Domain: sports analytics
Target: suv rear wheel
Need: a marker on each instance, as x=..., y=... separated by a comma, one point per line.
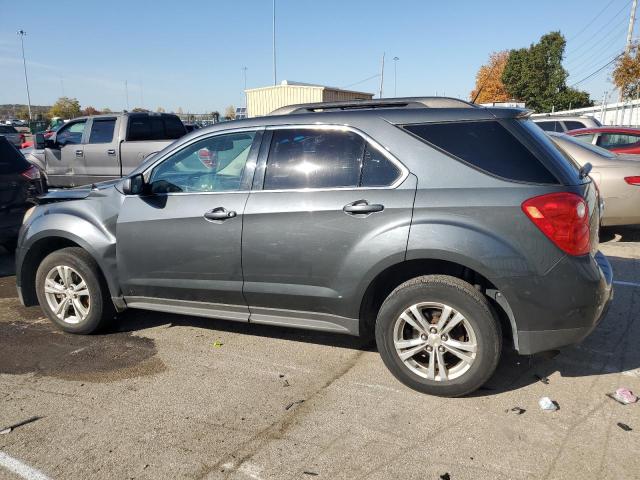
x=72, y=293
x=439, y=335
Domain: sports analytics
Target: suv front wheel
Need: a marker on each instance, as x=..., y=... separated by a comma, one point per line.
x=439, y=335
x=72, y=293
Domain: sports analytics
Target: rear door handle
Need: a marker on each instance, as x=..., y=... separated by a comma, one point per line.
x=219, y=213
x=362, y=207
x=78, y=153
x=111, y=151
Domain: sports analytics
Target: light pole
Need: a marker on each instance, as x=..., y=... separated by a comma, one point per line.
x=244, y=74
x=274, y=42
x=22, y=33
x=395, y=76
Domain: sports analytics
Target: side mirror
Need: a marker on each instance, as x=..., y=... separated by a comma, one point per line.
x=39, y=141
x=134, y=185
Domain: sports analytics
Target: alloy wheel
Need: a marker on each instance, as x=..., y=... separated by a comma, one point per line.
x=67, y=294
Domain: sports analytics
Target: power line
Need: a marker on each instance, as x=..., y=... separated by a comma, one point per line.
x=591, y=22
x=362, y=81
x=593, y=35
x=598, y=70
x=598, y=55
x=614, y=35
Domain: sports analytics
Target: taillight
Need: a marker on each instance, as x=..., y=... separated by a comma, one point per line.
x=563, y=218
x=31, y=173
x=632, y=180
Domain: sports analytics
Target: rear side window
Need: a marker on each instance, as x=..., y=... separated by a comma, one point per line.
x=613, y=140
x=573, y=125
x=102, y=131
x=7, y=129
x=549, y=126
x=488, y=146
x=151, y=127
x=585, y=137
x=310, y=158
x=377, y=170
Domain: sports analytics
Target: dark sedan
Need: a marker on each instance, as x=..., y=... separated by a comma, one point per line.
x=20, y=182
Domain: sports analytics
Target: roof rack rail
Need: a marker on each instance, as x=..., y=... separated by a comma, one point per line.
x=406, y=102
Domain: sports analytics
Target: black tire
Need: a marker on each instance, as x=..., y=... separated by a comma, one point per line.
x=101, y=310
x=464, y=298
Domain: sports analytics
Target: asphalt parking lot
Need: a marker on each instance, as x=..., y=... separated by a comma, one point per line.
x=167, y=396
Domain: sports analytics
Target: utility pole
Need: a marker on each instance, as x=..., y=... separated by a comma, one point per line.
x=382, y=75
x=244, y=73
x=141, y=95
x=126, y=92
x=632, y=21
x=22, y=33
x=274, y=43
x=395, y=76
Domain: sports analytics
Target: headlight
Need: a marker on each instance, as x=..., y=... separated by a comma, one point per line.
x=27, y=214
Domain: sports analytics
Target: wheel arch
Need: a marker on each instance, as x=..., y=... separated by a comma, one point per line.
x=392, y=276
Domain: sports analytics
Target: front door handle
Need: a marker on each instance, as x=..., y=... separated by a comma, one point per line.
x=78, y=153
x=219, y=213
x=362, y=207
x=111, y=151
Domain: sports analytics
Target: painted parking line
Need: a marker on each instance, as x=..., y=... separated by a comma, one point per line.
x=21, y=469
x=626, y=284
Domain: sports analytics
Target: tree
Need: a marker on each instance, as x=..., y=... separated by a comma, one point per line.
x=626, y=73
x=90, y=111
x=139, y=109
x=106, y=110
x=160, y=110
x=536, y=76
x=215, y=115
x=489, y=80
x=23, y=113
x=65, y=107
x=230, y=113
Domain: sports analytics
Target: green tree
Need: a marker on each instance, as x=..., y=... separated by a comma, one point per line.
x=23, y=113
x=215, y=115
x=535, y=75
x=65, y=107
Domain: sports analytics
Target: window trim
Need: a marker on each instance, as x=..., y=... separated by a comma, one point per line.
x=264, y=157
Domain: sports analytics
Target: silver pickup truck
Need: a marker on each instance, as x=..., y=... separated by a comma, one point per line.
x=102, y=147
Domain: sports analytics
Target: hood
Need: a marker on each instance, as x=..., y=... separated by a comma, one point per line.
x=77, y=193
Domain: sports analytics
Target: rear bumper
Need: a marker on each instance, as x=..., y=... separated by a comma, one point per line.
x=576, y=295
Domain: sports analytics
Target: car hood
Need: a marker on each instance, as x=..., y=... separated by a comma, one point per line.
x=77, y=193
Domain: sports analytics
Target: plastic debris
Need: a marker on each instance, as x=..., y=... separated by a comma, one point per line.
x=624, y=426
x=544, y=380
x=10, y=428
x=445, y=476
x=516, y=410
x=217, y=344
x=623, y=396
x=547, y=404
x=293, y=403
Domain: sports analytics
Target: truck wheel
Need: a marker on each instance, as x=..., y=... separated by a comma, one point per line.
x=72, y=292
x=439, y=335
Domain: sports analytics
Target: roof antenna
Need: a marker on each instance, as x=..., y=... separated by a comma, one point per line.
x=483, y=84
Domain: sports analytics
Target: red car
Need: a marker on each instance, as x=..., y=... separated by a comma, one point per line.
x=616, y=139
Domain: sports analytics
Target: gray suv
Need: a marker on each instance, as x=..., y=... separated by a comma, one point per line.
x=436, y=225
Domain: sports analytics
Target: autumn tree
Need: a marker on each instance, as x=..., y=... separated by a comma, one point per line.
x=626, y=74
x=160, y=110
x=23, y=113
x=88, y=111
x=65, y=107
x=106, y=110
x=535, y=75
x=489, y=80
x=230, y=113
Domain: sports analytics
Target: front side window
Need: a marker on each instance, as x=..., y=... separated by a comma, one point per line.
x=214, y=164
x=617, y=140
x=102, y=130
x=71, y=134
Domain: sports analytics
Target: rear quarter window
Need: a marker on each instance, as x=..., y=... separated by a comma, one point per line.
x=550, y=126
x=488, y=146
x=574, y=125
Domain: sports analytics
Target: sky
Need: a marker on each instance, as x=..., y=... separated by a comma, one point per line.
x=190, y=55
